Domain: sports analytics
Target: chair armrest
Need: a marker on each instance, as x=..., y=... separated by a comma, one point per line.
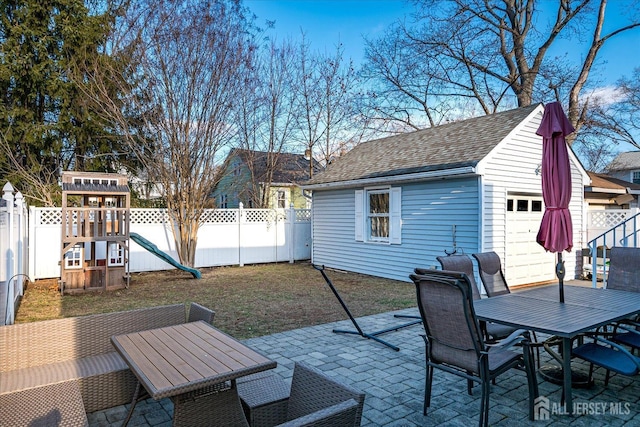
x=631, y=330
x=340, y=414
x=519, y=336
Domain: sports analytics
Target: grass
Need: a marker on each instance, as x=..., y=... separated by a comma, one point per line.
x=249, y=301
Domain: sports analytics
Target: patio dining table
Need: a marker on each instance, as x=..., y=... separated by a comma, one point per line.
x=539, y=310
x=191, y=363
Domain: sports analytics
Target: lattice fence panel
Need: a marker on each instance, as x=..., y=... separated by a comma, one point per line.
x=264, y=215
x=219, y=216
x=303, y=215
x=605, y=219
x=48, y=216
x=149, y=216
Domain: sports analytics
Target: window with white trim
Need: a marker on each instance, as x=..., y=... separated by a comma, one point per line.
x=636, y=177
x=116, y=254
x=282, y=199
x=378, y=215
x=73, y=257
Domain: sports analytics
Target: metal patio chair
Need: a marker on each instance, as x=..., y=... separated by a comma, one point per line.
x=491, y=274
x=454, y=342
x=463, y=263
x=623, y=275
x=609, y=355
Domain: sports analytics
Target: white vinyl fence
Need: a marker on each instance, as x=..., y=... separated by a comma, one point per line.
x=607, y=220
x=13, y=243
x=226, y=237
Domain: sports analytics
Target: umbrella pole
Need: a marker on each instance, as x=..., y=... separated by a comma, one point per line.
x=560, y=273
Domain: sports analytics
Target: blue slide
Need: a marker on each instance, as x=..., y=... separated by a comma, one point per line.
x=162, y=255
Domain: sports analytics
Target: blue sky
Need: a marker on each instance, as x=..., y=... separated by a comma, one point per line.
x=328, y=22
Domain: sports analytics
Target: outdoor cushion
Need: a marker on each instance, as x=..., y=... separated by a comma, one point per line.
x=21, y=379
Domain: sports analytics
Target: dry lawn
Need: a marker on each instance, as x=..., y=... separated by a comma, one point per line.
x=249, y=301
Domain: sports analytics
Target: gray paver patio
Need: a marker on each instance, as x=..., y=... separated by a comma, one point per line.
x=394, y=383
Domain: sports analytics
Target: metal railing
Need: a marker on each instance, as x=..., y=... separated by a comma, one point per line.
x=625, y=234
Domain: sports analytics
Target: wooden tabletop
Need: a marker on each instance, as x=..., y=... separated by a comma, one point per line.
x=539, y=309
x=182, y=358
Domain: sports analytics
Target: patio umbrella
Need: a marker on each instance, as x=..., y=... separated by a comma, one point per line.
x=556, y=229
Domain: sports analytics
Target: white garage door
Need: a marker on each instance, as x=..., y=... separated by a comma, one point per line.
x=526, y=261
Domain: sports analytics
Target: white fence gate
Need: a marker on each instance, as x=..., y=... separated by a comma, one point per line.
x=226, y=237
x=13, y=243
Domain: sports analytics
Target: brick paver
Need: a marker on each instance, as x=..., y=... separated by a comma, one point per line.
x=394, y=383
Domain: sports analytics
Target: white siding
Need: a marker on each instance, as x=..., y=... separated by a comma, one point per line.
x=513, y=168
x=430, y=210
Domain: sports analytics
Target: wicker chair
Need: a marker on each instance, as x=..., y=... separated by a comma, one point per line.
x=199, y=312
x=463, y=263
x=491, y=273
x=314, y=399
x=455, y=344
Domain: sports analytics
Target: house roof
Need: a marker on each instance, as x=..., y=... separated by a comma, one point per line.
x=94, y=188
x=625, y=161
x=450, y=146
x=601, y=183
x=290, y=168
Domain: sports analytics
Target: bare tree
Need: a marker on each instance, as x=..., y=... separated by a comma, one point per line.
x=265, y=118
x=40, y=187
x=616, y=117
x=189, y=60
x=327, y=98
x=494, y=54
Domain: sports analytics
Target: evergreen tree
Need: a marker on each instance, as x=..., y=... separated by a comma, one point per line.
x=46, y=124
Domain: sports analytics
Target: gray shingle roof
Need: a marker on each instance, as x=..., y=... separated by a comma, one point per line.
x=625, y=161
x=448, y=146
x=290, y=168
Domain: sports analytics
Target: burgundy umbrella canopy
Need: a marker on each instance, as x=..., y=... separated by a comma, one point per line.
x=556, y=229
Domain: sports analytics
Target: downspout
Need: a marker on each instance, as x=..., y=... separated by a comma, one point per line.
x=481, y=236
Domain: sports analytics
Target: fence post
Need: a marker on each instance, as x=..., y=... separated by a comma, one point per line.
x=240, y=218
x=7, y=196
x=290, y=233
x=31, y=236
x=20, y=221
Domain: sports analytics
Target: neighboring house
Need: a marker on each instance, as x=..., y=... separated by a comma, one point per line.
x=626, y=166
x=607, y=192
x=245, y=177
x=150, y=192
x=397, y=203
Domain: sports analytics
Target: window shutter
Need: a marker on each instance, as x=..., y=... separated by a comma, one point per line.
x=359, y=209
x=395, y=216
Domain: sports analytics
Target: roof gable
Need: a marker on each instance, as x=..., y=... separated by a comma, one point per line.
x=453, y=145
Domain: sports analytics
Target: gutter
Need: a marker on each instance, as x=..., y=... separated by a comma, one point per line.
x=394, y=179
